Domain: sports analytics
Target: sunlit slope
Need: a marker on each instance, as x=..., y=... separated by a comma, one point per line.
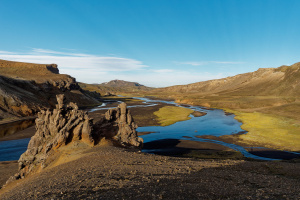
x=265, y=81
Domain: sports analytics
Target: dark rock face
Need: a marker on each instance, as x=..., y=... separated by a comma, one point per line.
x=66, y=124
x=53, y=68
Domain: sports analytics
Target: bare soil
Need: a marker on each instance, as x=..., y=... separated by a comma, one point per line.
x=107, y=172
x=7, y=169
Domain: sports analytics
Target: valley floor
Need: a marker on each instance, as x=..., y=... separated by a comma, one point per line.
x=108, y=172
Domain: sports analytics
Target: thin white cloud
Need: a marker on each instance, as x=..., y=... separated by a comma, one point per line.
x=98, y=69
x=6, y=52
x=67, y=61
x=163, y=70
x=207, y=63
x=51, y=52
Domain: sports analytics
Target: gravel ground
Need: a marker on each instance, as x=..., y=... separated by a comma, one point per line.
x=107, y=172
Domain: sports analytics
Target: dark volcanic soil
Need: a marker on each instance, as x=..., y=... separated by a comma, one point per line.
x=107, y=172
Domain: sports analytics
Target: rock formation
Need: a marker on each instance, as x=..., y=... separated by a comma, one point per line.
x=66, y=124
x=119, y=125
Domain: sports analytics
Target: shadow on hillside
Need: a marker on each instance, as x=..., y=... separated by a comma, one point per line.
x=172, y=147
x=169, y=147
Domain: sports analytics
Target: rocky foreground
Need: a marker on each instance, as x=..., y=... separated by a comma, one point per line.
x=107, y=172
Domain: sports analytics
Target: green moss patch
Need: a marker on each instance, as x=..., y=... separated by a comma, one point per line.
x=170, y=114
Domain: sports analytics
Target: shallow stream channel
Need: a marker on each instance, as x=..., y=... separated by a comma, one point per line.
x=215, y=123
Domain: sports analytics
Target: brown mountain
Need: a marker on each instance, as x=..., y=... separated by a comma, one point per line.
x=282, y=81
x=116, y=87
x=121, y=83
x=25, y=88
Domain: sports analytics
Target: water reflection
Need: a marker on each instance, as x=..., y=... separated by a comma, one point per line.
x=11, y=128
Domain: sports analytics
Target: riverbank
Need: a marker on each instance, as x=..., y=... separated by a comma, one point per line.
x=8, y=121
x=26, y=133
x=108, y=172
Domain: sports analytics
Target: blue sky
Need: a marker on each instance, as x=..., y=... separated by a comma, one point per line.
x=155, y=42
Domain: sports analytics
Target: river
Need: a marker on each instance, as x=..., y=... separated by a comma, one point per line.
x=214, y=123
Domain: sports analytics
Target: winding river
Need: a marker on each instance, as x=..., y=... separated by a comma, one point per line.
x=214, y=123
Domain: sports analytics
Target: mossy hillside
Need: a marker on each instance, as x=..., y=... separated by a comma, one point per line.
x=171, y=114
x=269, y=130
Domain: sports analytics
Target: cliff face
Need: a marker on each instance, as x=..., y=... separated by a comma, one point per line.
x=26, y=88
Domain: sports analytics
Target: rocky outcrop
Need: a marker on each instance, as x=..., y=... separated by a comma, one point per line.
x=119, y=125
x=53, y=129
x=68, y=83
x=66, y=124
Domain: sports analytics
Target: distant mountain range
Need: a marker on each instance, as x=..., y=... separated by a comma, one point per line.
x=121, y=83
x=116, y=87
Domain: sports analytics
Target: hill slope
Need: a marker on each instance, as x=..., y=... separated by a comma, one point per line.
x=264, y=88
x=282, y=81
x=26, y=88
